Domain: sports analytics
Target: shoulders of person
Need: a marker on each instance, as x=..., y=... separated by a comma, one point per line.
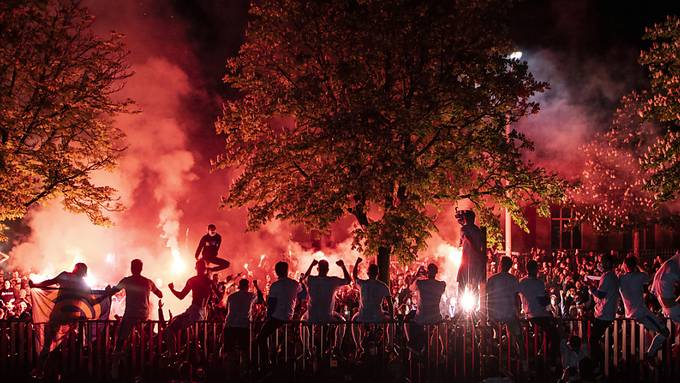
x=63, y=276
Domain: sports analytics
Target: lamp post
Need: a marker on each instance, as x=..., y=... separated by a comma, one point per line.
x=508, y=220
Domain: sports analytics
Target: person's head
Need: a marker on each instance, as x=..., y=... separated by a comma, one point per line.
x=136, y=266
x=15, y=274
x=532, y=268
x=22, y=293
x=322, y=266
x=201, y=268
x=506, y=263
x=465, y=217
x=212, y=229
x=631, y=263
x=80, y=269
x=281, y=269
x=432, y=270
x=243, y=284
x=7, y=284
x=607, y=262
x=216, y=277
x=373, y=271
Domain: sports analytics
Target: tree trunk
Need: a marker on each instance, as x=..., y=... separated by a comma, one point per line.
x=384, y=264
x=636, y=242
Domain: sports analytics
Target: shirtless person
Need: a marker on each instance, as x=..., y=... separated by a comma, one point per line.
x=208, y=248
x=137, y=292
x=200, y=286
x=665, y=286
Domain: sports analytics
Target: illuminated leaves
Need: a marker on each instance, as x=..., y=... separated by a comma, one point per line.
x=57, y=95
x=382, y=110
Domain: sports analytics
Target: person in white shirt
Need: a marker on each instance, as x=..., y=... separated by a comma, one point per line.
x=430, y=292
x=665, y=285
x=534, y=304
x=632, y=285
x=237, y=326
x=606, y=297
x=321, y=304
x=283, y=294
x=372, y=295
x=502, y=291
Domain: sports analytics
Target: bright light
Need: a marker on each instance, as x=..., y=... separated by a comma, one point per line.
x=90, y=280
x=468, y=301
x=178, y=266
x=455, y=255
x=110, y=258
x=515, y=55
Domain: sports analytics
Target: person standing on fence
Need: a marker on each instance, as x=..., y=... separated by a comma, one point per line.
x=283, y=294
x=322, y=289
x=665, y=284
x=430, y=291
x=237, y=326
x=372, y=294
x=72, y=289
x=502, y=291
x=208, y=248
x=534, y=302
x=137, y=291
x=606, y=297
x=472, y=271
x=200, y=287
x=632, y=285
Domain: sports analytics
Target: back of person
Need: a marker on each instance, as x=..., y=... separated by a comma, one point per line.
x=666, y=279
x=631, y=286
x=137, y=290
x=238, y=308
x=534, y=299
x=502, y=289
x=285, y=291
x=72, y=288
x=372, y=294
x=605, y=308
x=201, y=290
x=430, y=291
x=322, y=297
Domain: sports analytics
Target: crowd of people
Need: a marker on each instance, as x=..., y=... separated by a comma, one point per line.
x=543, y=288
x=15, y=297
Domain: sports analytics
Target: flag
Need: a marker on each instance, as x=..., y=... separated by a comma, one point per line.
x=59, y=307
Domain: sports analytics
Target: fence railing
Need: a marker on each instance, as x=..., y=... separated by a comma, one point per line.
x=464, y=350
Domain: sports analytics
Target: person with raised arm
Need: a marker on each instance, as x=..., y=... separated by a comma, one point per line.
x=373, y=293
x=322, y=290
x=72, y=288
x=606, y=296
x=137, y=292
x=200, y=287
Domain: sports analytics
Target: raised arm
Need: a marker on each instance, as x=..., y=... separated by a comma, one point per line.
x=45, y=283
x=345, y=273
x=179, y=294
x=260, y=296
x=355, y=271
x=309, y=269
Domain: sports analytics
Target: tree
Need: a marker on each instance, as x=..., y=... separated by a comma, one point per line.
x=382, y=110
x=662, y=106
x=611, y=195
x=57, y=94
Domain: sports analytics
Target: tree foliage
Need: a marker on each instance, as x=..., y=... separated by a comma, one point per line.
x=57, y=95
x=382, y=110
x=662, y=106
x=611, y=195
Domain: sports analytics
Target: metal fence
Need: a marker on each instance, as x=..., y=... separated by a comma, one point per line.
x=454, y=351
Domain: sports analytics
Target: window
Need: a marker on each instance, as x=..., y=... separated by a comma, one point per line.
x=564, y=233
